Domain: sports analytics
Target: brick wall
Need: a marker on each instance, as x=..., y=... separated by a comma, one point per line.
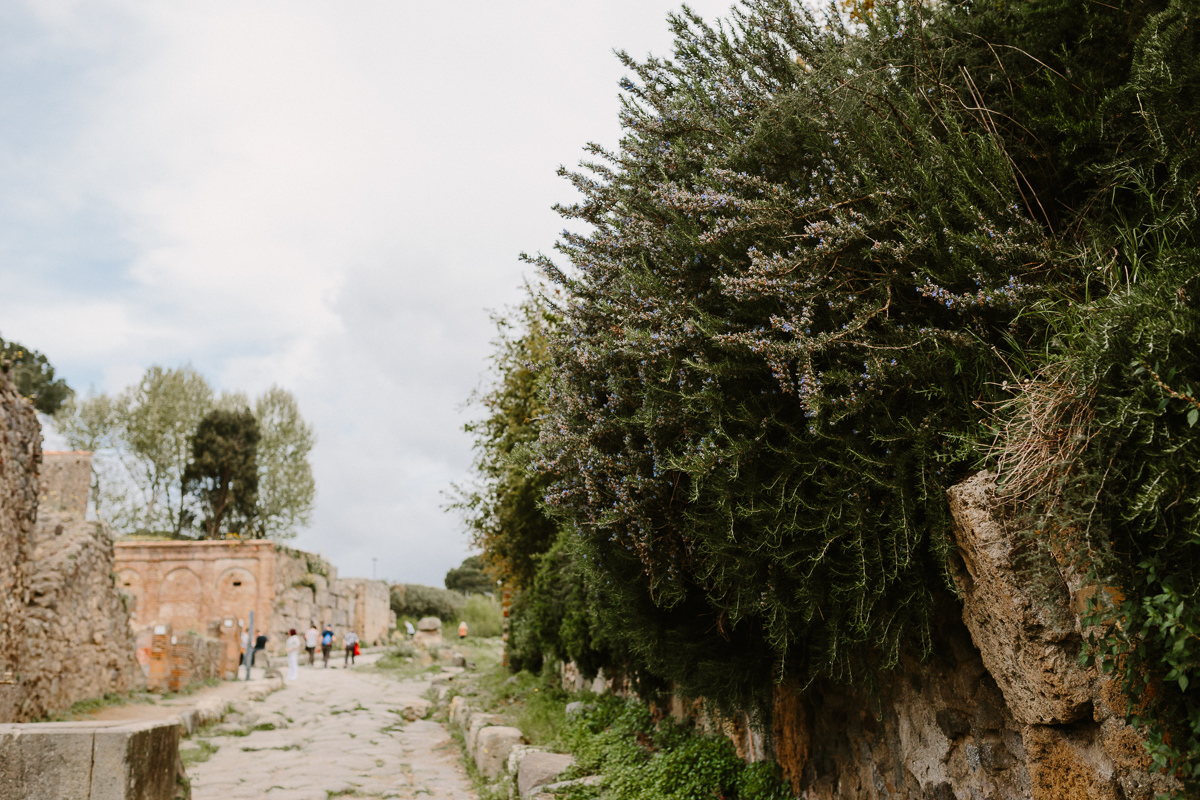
x=178, y=660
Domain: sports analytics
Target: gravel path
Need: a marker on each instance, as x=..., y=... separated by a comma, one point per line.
x=331, y=733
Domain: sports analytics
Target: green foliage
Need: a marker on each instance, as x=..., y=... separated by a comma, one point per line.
x=142, y=437
x=1120, y=489
x=156, y=420
x=222, y=475
x=286, y=488
x=502, y=508
x=639, y=761
x=813, y=266
x=469, y=578
x=556, y=617
x=33, y=376
x=483, y=615
x=809, y=259
x=415, y=600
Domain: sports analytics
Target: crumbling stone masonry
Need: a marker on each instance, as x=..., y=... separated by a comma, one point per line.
x=205, y=587
x=64, y=627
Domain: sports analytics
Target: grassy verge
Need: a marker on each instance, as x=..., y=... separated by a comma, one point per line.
x=618, y=740
x=85, y=708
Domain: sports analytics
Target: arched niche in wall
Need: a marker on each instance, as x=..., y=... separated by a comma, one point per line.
x=130, y=582
x=179, y=599
x=236, y=593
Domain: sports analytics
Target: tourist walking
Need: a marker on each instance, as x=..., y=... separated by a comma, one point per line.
x=462, y=629
x=260, y=646
x=293, y=655
x=326, y=645
x=350, y=639
x=311, y=639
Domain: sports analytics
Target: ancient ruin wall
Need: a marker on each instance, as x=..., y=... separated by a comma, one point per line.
x=76, y=621
x=64, y=628
x=308, y=590
x=192, y=586
x=20, y=452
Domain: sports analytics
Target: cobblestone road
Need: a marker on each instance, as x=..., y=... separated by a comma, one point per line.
x=331, y=733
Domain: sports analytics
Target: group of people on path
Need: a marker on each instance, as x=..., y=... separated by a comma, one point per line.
x=312, y=639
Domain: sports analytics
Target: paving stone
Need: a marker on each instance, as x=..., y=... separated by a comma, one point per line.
x=365, y=749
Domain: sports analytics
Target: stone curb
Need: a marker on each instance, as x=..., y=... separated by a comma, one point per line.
x=213, y=709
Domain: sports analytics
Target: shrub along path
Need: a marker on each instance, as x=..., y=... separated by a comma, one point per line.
x=331, y=733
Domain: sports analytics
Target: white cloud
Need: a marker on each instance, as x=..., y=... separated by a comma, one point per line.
x=324, y=196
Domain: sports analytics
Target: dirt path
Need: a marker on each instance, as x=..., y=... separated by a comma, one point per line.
x=332, y=733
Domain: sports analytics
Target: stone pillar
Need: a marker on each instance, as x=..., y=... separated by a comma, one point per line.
x=230, y=636
x=160, y=639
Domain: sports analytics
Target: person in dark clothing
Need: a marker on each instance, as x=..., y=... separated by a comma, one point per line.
x=260, y=646
x=326, y=645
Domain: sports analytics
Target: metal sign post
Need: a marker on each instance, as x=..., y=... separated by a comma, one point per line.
x=249, y=655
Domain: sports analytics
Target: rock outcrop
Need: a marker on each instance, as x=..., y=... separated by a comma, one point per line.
x=1002, y=708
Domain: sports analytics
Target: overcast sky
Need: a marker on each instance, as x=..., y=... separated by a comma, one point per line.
x=325, y=196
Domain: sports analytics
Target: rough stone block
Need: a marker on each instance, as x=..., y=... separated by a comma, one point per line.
x=89, y=760
x=460, y=709
x=476, y=722
x=538, y=769
x=1028, y=644
x=492, y=747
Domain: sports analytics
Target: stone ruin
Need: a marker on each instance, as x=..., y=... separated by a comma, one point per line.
x=82, y=616
x=209, y=588
x=64, y=626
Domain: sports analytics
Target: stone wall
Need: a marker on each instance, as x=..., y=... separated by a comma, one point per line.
x=188, y=585
x=64, y=626
x=90, y=760
x=76, y=621
x=193, y=586
x=178, y=660
x=309, y=591
x=20, y=457
x=1001, y=709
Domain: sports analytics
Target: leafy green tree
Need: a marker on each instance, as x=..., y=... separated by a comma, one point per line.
x=503, y=507
x=90, y=423
x=286, y=487
x=469, y=578
x=416, y=601
x=33, y=376
x=158, y=417
x=222, y=475
x=142, y=444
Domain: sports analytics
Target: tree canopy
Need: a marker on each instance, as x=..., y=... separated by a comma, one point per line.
x=33, y=376
x=143, y=441
x=502, y=507
x=470, y=578
x=222, y=474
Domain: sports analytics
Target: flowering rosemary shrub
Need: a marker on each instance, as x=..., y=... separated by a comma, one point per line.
x=807, y=262
x=823, y=268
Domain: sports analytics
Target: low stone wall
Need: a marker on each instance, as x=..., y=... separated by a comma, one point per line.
x=89, y=760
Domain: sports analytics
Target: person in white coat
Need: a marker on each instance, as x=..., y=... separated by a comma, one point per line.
x=293, y=655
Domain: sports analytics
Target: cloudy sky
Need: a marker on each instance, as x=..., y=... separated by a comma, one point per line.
x=325, y=196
